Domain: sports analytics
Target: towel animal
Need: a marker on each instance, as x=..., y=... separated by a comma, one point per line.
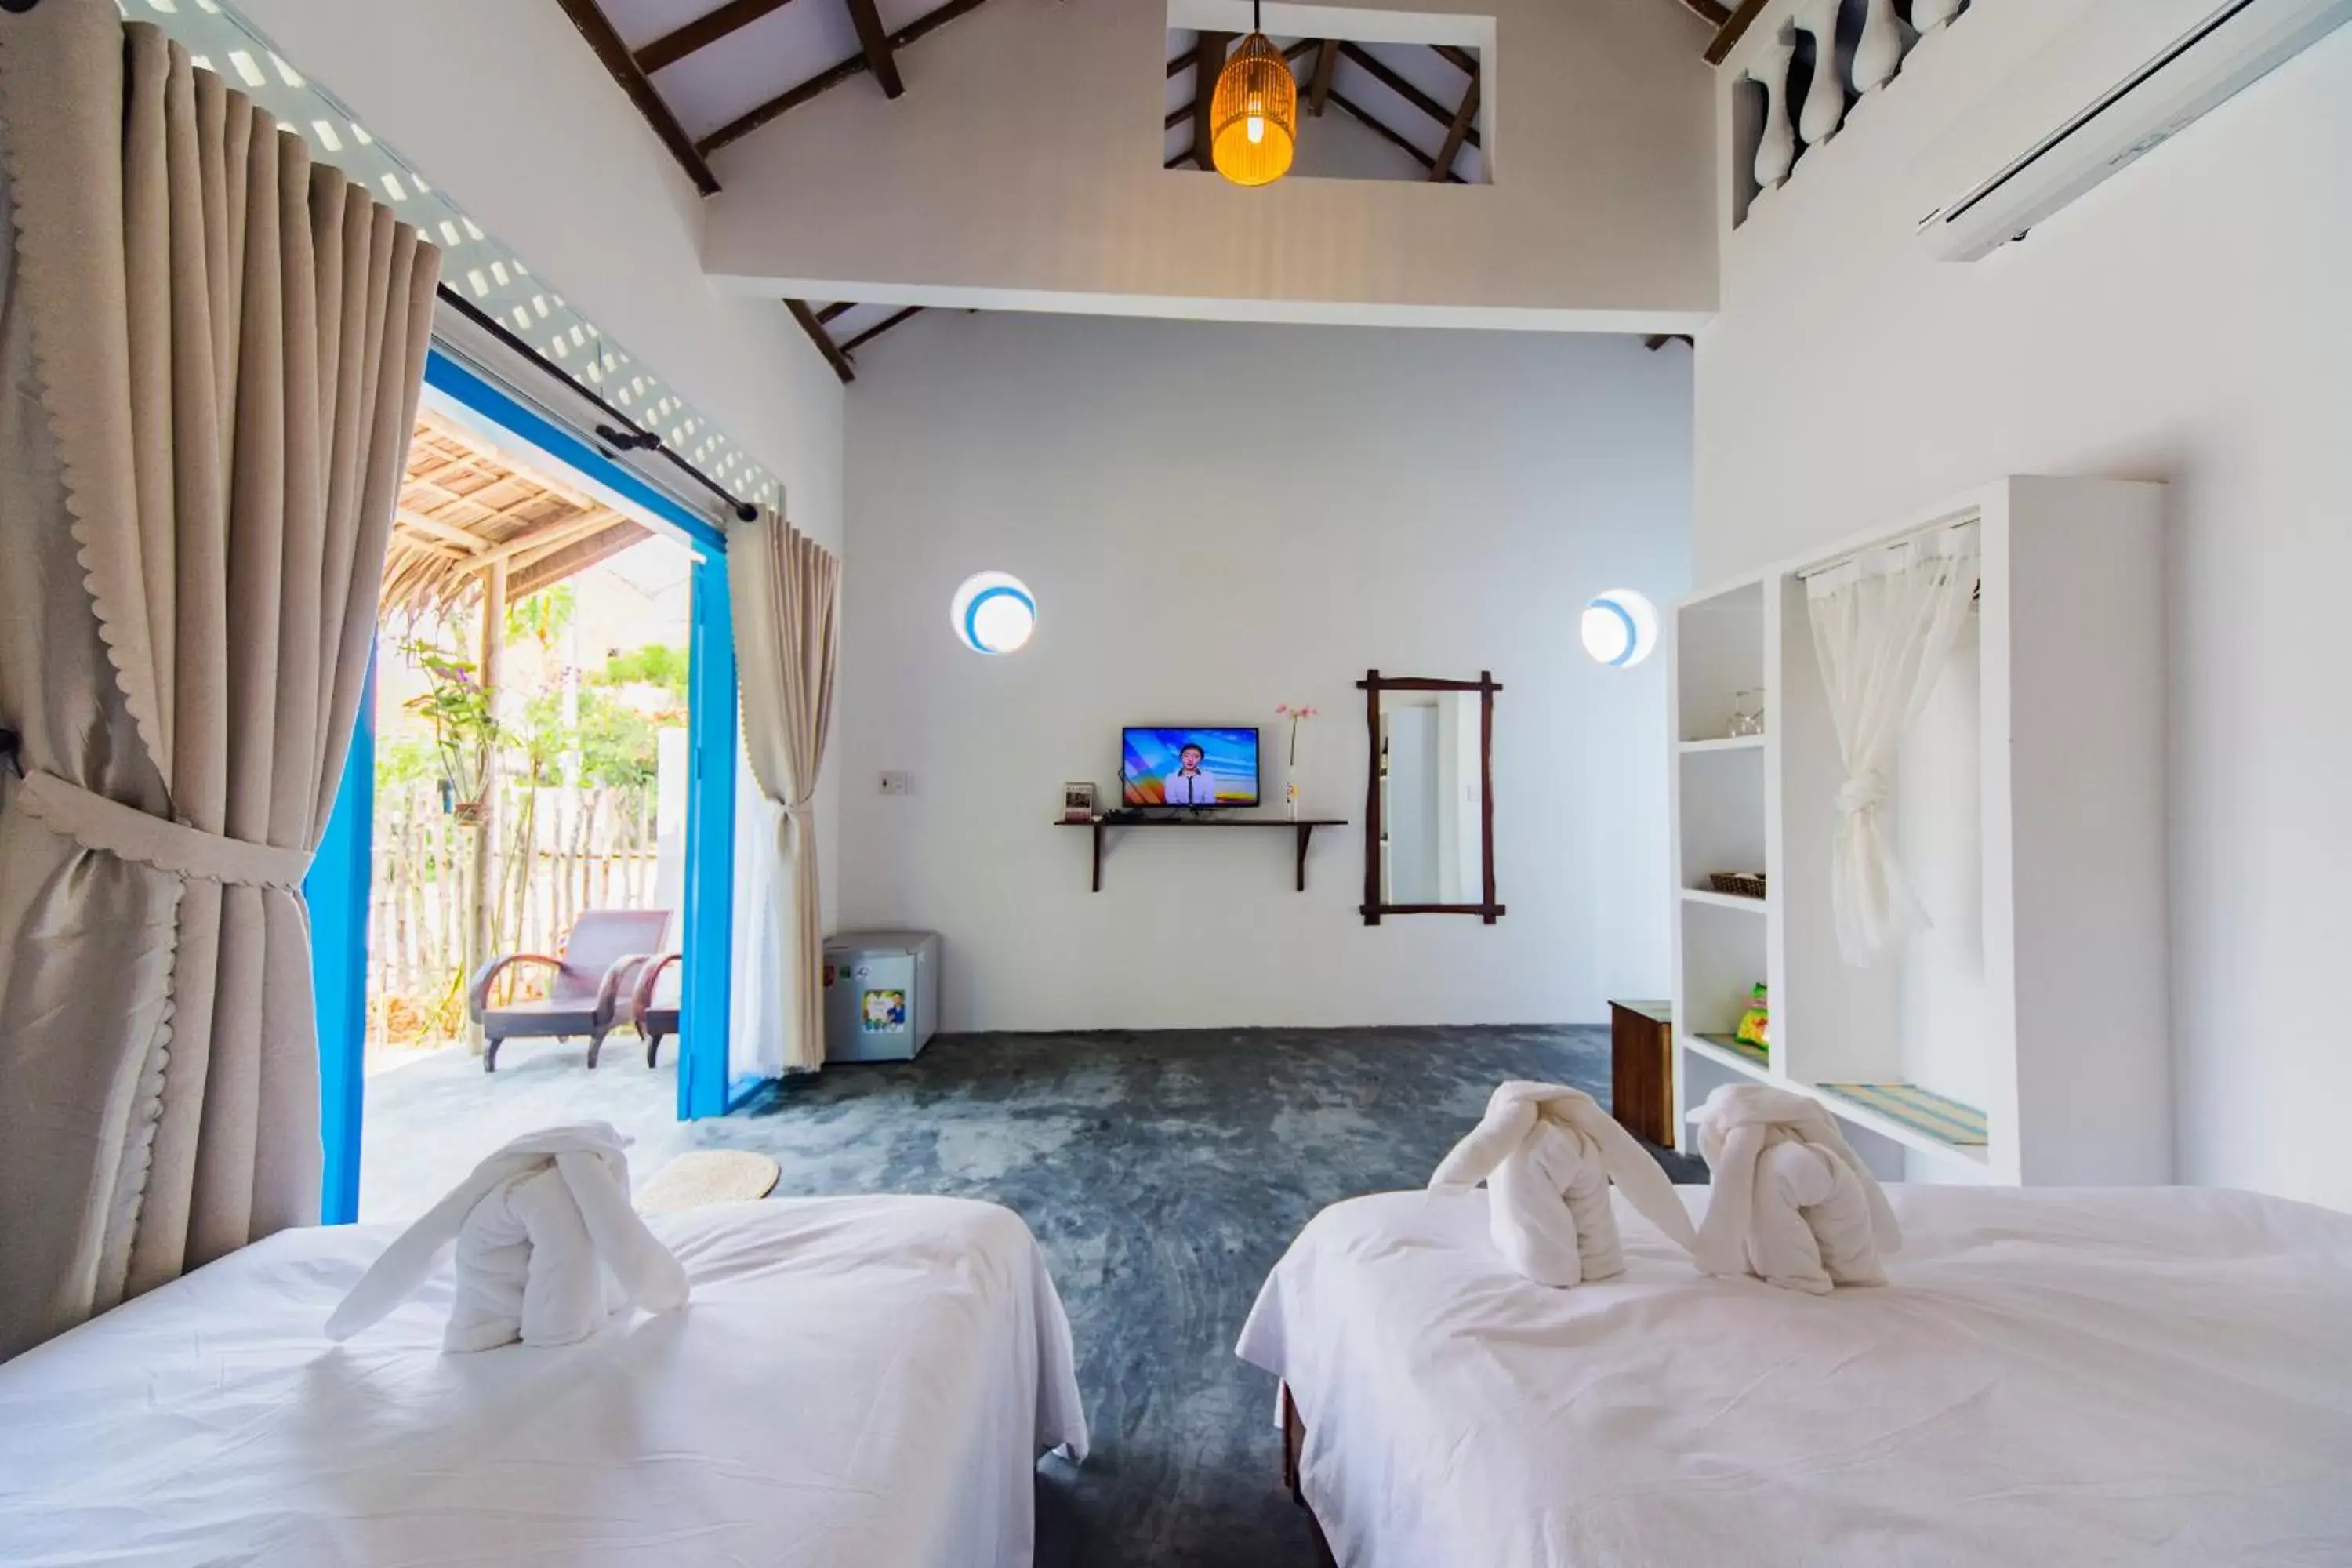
x=547, y=1248
x=1548, y=1153
x=1791, y=1203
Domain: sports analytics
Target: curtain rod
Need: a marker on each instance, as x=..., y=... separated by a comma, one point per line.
x=631, y=437
x=1959, y=519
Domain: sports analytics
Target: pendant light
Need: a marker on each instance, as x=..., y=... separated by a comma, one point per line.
x=1254, y=118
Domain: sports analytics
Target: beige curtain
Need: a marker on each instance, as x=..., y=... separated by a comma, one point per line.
x=785, y=591
x=212, y=352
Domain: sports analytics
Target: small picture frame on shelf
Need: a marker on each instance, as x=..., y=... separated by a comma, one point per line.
x=1078, y=803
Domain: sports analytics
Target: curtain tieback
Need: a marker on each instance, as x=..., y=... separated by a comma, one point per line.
x=127, y=833
x=1866, y=790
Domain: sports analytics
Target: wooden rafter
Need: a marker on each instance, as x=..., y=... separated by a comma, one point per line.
x=1457, y=57
x=875, y=330
x=1208, y=61
x=573, y=558
x=1327, y=61
x=874, y=41
x=595, y=26
x=1713, y=13
x=1657, y=341
x=822, y=339
x=1360, y=112
x=702, y=32
x=838, y=307
x=830, y=77
x=1372, y=67
x=1457, y=133
x=1732, y=31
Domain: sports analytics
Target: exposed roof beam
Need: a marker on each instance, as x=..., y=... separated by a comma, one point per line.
x=875, y=44
x=1208, y=61
x=1731, y=32
x=838, y=307
x=1453, y=55
x=823, y=340
x=575, y=558
x=598, y=30
x=1327, y=61
x=875, y=330
x=1396, y=84
x=702, y=32
x=1713, y=13
x=830, y=77
x=1657, y=341
x=1455, y=132
x=1418, y=156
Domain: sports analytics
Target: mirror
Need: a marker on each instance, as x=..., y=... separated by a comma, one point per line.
x=1429, y=812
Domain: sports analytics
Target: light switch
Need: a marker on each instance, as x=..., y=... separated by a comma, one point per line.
x=898, y=784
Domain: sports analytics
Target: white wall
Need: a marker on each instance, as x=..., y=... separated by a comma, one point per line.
x=501, y=104
x=1216, y=519
x=1022, y=166
x=2189, y=322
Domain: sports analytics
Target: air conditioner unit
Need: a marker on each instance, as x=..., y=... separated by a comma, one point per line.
x=2116, y=84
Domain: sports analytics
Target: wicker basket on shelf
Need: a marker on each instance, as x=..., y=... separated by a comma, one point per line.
x=1739, y=884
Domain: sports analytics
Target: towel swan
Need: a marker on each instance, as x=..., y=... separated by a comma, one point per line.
x=1792, y=1203
x=547, y=1246
x=1548, y=1154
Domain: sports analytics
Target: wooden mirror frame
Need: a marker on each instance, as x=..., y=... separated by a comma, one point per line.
x=1490, y=908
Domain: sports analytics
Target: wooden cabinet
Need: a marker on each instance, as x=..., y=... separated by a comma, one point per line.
x=1641, y=1068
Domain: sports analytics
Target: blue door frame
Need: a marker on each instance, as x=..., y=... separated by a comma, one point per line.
x=338, y=886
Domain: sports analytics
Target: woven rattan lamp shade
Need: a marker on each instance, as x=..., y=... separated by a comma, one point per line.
x=1255, y=89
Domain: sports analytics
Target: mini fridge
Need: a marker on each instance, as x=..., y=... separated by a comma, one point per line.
x=881, y=995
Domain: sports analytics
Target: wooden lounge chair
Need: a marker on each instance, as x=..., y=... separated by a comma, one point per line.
x=654, y=1020
x=599, y=960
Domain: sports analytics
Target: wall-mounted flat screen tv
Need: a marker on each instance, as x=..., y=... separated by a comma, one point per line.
x=1188, y=765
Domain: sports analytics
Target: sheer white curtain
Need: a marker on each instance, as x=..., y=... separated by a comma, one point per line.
x=785, y=590
x=1883, y=628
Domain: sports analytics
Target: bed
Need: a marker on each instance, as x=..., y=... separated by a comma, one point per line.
x=858, y=1383
x=2142, y=1377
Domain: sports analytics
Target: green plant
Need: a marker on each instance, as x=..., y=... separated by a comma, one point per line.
x=466, y=730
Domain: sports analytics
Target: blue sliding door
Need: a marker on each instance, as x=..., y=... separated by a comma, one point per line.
x=709, y=913
x=337, y=891
x=338, y=886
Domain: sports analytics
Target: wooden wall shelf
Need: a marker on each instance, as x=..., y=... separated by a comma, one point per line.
x=1303, y=827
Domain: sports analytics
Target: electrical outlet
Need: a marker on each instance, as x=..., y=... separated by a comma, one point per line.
x=898, y=784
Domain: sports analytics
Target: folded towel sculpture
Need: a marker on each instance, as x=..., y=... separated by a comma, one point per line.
x=1548, y=1153
x=1791, y=1204
x=546, y=1244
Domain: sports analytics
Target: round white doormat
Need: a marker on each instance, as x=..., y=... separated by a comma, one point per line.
x=708, y=1177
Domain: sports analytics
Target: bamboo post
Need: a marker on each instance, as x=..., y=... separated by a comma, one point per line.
x=484, y=924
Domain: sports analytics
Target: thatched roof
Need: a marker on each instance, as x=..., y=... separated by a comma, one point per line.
x=463, y=507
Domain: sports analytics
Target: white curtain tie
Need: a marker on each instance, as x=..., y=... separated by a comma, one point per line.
x=125, y=832
x=1866, y=790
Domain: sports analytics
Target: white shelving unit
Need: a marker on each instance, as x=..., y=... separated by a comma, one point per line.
x=2024, y=1039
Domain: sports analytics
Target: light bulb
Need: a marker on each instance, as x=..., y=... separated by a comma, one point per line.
x=1257, y=129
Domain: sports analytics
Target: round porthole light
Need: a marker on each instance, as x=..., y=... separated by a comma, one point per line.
x=993, y=612
x=1620, y=628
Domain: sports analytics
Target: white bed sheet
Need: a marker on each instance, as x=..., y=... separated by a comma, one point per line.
x=858, y=1383
x=2147, y=1377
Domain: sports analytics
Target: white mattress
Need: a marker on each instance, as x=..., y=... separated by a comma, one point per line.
x=2149, y=1376
x=858, y=1383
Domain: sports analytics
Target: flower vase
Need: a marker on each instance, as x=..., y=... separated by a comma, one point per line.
x=1290, y=800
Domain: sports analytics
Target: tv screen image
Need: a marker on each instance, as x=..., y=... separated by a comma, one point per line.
x=1194, y=764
